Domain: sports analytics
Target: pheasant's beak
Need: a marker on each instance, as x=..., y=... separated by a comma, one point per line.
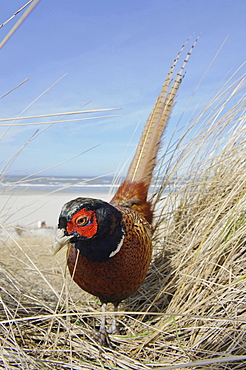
x=61, y=240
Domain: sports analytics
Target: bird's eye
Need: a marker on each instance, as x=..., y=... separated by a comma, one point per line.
x=82, y=221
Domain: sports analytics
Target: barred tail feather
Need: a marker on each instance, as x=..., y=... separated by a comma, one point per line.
x=141, y=169
x=143, y=163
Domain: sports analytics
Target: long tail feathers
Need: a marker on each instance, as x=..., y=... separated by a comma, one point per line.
x=134, y=189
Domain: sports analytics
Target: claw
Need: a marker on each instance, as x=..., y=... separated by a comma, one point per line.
x=61, y=240
x=103, y=339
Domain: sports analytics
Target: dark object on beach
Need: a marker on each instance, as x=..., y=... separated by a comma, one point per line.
x=110, y=244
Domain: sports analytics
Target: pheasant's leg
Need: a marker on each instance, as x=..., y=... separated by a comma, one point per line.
x=103, y=319
x=103, y=335
x=113, y=329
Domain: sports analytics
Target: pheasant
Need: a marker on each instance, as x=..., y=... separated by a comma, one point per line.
x=110, y=244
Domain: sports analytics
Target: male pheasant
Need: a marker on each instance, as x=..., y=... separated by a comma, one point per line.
x=110, y=244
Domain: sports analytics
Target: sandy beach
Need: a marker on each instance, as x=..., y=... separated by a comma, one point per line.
x=27, y=209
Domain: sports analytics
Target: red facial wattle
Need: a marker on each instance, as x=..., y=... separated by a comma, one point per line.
x=84, y=223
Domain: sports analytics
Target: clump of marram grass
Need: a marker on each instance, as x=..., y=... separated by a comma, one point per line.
x=190, y=312
x=203, y=228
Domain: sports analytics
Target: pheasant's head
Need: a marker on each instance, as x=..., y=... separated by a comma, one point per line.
x=93, y=226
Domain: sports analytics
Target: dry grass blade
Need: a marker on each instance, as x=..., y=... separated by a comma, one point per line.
x=58, y=114
x=33, y=102
x=15, y=13
x=32, y=5
x=14, y=88
x=60, y=121
x=11, y=160
x=213, y=362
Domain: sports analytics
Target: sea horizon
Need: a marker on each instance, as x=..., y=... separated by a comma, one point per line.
x=68, y=184
x=61, y=183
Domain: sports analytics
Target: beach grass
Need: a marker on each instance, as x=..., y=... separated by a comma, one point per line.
x=191, y=310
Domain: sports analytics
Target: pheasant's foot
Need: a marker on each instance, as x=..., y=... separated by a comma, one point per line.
x=103, y=339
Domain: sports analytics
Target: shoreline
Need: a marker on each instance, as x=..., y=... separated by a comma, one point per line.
x=29, y=208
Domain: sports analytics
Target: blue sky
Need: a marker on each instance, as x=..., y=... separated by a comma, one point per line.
x=114, y=54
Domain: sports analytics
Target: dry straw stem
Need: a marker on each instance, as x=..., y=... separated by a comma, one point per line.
x=15, y=13
x=32, y=103
x=14, y=88
x=61, y=121
x=32, y=5
x=190, y=312
x=58, y=114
